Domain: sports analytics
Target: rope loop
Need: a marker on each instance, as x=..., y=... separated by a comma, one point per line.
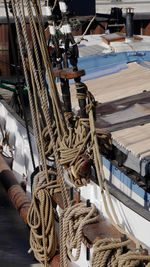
x=47, y=142
x=72, y=221
x=40, y=178
x=133, y=259
x=106, y=252
x=43, y=238
x=114, y=253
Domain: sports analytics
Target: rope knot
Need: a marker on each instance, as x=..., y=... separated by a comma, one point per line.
x=72, y=221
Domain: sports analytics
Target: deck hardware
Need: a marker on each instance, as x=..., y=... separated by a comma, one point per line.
x=71, y=193
x=77, y=196
x=88, y=203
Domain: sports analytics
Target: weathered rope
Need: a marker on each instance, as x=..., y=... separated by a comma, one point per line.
x=54, y=97
x=106, y=251
x=72, y=221
x=37, y=82
x=132, y=259
x=103, y=184
x=110, y=252
x=70, y=146
x=39, y=179
x=82, y=37
x=21, y=47
x=43, y=239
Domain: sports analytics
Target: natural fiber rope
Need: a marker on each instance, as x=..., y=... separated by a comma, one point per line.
x=106, y=252
x=43, y=239
x=25, y=71
x=53, y=88
x=103, y=184
x=44, y=102
x=110, y=252
x=47, y=63
x=72, y=221
x=34, y=79
x=132, y=259
x=82, y=37
x=67, y=141
x=39, y=179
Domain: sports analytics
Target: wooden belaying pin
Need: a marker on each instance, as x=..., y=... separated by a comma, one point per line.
x=57, y=180
x=88, y=204
x=77, y=196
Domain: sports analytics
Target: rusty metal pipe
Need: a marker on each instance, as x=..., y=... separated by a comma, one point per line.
x=15, y=192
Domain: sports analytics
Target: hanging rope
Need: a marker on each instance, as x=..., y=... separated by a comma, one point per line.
x=39, y=178
x=43, y=239
x=67, y=146
x=82, y=37
x=103, y=184
x=72, y=221
x=110, y=252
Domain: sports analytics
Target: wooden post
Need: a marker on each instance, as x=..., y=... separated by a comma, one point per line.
x=15, y=192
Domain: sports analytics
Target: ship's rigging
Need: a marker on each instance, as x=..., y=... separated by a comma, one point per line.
x=72, y=141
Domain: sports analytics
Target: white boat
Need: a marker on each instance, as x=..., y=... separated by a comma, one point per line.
x=117, y=74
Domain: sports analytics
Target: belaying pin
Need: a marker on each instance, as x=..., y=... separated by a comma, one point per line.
x=77, y=196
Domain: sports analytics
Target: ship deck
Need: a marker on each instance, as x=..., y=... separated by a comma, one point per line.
x=124, y=110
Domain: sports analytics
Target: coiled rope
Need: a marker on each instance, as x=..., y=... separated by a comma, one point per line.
x=72, y=221
x=77, y=142
x=43, y=239
x=110, y=252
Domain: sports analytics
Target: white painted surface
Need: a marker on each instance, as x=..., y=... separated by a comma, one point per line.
x=19, y=141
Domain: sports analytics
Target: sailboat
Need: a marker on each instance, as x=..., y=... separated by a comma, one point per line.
x=91, y=148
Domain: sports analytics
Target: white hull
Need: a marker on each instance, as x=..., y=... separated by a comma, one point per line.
x=123, y=186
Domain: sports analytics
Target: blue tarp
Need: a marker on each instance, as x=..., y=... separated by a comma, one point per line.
x=105, y=64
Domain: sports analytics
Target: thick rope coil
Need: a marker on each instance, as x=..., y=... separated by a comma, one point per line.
x=43, y=239
x=106, y=252
x=132, y=259
x=37, y=83
x=73, y=144
x=110, y=252
x=72, y=221
x=39, y=179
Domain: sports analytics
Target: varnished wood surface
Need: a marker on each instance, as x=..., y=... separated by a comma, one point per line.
x=68, y=73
